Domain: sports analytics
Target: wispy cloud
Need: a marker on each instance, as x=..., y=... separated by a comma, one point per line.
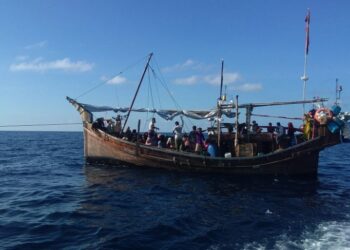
x=21, y=58
x=189, y=64
x=191, y=80
x=248, y=87
x=116, y=80
x=38, y=65
x=38, y=45
x=229, y=79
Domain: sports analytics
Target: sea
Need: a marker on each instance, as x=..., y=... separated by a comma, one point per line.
x=50, y=199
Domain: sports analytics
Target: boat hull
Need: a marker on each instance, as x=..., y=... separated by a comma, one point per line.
x=300, y=160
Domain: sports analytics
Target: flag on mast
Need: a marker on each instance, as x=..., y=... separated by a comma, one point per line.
x=307, y=29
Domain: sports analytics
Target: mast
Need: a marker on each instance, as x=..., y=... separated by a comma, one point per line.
x=236, y=135
x=305, y=78
x=137, y=90
x=220, y=100
x=222, y=77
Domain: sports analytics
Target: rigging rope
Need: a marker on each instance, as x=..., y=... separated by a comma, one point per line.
x=104, y=82
x=43, y=124
x=282, y=117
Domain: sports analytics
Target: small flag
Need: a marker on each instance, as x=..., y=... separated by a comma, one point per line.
x=307, y=30
x=340, y=88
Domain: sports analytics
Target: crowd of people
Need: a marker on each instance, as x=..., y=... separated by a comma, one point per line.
x=194, y=141
x=278, y=132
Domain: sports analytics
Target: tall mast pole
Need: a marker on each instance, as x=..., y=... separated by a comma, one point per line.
x=236, y=135
x=219, y=104
x=305, y=78
x=137, y=90
x=222, y=77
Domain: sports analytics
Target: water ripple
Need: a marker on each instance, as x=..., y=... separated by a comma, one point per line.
x=50, y=200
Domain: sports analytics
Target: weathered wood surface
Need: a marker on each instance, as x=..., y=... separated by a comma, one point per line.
x=301, y=159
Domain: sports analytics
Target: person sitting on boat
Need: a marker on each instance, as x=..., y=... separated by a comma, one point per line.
x=255, y=127
x=169, y=142
x=148, y=142
x=199, y=141
x=186, y=143
x=290, y=133
x=242, y=128
x=134, y=135
x=279, y=133
x=128, y=134
x=110, y=126
x=99, y=124
x=212, y=148
x=178, y=134
x=161, y=141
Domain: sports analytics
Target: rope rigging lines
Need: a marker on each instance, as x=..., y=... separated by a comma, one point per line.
x=104, y=82
x=40, y=124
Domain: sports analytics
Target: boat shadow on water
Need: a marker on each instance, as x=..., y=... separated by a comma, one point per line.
x=125, y=177
x=197, y=208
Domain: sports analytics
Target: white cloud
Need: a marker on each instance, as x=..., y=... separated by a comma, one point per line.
x=39, y=65
x=38, y=45
x=188, y=64
x=188, y=80
x=116, y=80
x=229, y=78
x=248, y=87
x=21, y=58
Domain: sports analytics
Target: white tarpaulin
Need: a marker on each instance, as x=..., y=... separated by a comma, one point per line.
x=163, y=113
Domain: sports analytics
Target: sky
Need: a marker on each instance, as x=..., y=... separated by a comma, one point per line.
x=53, y=49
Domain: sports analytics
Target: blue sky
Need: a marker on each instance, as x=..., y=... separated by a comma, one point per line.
x=53, y=49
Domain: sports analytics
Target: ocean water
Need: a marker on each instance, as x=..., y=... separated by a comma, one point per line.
x=49, y=199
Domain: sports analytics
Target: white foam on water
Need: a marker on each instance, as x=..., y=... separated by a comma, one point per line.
x=327, y=235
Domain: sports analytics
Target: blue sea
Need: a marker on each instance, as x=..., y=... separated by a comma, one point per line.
x=49, y=199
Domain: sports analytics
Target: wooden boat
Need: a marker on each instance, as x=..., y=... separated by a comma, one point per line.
x=251, y=154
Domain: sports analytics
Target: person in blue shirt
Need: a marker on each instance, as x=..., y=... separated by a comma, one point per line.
x=212, y=148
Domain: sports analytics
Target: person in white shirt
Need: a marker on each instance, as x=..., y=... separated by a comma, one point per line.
x=178, y=134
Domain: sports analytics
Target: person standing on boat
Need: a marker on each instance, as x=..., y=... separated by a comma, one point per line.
x=255, y=128
x=290, y=133
x=178, y=134
x=199, y=141
x=117, y=126
x=279, y=133
x=270, y=128
x=192, y=138
x=151, y=131
x=152, y=124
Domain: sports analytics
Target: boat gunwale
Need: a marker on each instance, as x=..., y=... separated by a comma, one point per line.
x=301, y=147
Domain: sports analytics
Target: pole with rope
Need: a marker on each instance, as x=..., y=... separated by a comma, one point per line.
x=137, y=90
x=220, y=100
x=305, y=78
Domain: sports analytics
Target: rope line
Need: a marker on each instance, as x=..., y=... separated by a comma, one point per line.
x=104, y=82
x=44, y=124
